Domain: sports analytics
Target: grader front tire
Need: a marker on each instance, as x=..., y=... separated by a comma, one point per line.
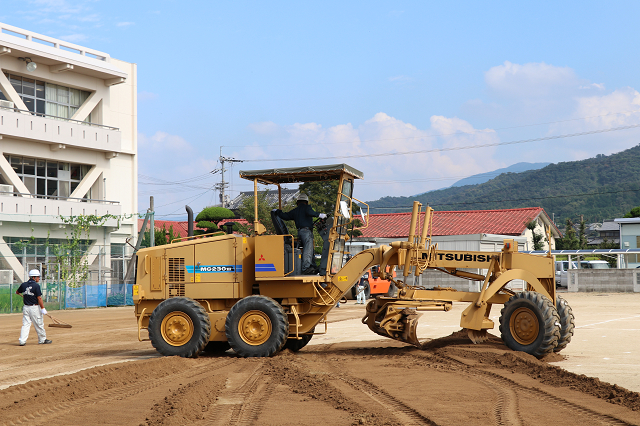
x=567, y=323
x=179, y=326
x=257, y=326
x=530, y=323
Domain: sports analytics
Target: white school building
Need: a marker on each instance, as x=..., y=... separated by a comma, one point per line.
x=68, y=147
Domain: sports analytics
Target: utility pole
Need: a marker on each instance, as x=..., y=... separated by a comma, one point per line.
x=152, y=231
x=223, y=185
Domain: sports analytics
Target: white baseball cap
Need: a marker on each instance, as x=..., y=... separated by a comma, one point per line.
x=34, y=273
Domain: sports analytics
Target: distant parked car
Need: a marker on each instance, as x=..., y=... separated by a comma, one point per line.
x=594, y=264
x=561, y=272
x=563, y=265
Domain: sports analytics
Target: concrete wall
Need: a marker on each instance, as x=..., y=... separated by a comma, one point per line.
x=604, y=281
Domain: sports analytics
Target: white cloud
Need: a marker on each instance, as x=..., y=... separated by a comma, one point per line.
x=264, y=127
x=60, y=6
x=532, y=80
x=618, y=108
x=74, y=38
x=163, y=141
x=388, y=175
x=599, y=86
x=93, y=17
x=400, y=79
x=147, y=96
x=525, y=97
x=124, y=24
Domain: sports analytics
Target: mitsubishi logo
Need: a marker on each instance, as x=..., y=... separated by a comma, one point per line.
x=262, y=258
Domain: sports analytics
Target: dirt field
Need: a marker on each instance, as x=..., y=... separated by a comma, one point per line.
x=349, y=376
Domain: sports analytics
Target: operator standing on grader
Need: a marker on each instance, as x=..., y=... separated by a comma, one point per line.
x=303, y=217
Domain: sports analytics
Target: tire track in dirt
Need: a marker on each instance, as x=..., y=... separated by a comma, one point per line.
x=318, y=384
x=506, y=411
x=510, y=389
x=539, y=394
x=404, y=413
x=240, y=404
x=396, y=408
x=106, y=396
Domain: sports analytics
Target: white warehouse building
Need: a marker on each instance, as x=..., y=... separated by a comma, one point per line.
x=68, y=147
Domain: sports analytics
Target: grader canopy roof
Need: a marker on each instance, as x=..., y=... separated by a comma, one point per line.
x=301, y=174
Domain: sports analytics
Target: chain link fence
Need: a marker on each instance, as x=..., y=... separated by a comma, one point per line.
x=100, y=283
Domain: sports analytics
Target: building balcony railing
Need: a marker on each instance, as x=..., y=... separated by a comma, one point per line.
x=18, y=207
x=71, y=120
x=55, y=130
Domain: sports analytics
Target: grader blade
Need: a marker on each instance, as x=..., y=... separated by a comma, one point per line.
x=478, y=336
x=411, y=324
x=396, y=322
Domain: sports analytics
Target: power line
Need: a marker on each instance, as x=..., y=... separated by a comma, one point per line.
x=166, y=182
x=188, y=198
x=425, y=151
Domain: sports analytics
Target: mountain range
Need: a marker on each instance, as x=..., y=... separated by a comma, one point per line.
x=603, y=187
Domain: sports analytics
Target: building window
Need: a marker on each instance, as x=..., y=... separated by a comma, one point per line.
x=47, y=98
x=48, y=178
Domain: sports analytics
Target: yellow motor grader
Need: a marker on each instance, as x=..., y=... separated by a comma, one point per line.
x=245, y=292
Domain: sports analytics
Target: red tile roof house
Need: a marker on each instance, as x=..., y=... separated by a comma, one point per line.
x=472, y=230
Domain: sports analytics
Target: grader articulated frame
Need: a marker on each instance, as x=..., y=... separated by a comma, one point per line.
x=241, y=291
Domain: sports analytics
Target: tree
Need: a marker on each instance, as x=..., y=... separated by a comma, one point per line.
x=635, y=212
x=570, y=240
x=246, y=211
x=611, y=260
x=162, y=236
x=583, y=236
x=209, y=218
x=71, y=254
x=538, y=238
x=322, y=195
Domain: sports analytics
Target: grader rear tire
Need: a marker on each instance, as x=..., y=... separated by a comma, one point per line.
x=257, y=326
x=295, y=345
x=567, y=323
x=179, y=326
x=530, y=323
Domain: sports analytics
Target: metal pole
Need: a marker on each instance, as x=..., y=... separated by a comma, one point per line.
x=222, y=199
x=255, y=205
x=11, y=297
x=99, y=266
x=60, y=288
x=152, y=228
x=131, y=264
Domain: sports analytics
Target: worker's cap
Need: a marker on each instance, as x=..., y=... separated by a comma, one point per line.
x=303, y=197
x=34, y=273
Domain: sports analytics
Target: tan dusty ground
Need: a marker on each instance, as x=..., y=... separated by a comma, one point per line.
x=348, y=376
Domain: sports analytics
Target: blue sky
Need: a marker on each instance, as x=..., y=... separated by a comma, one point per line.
x=279, y=80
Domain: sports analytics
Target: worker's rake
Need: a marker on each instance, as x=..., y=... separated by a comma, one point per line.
x=58, y=323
